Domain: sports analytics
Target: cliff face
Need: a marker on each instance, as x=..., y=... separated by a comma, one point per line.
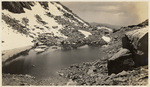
x=25, y=21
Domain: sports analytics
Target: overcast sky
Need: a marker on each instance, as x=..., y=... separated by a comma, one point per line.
x=115, y=13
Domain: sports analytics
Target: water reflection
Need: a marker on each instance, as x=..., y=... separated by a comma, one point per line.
x=45, y=64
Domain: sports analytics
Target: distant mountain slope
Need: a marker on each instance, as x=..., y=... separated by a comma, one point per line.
x=34, y=19
x=105, y=25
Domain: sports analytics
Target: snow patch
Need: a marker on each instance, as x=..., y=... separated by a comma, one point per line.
x=105, y=38
x=54, y=10
x=86, y=33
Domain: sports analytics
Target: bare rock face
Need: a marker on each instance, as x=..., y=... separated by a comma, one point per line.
x=137, y=42
x=16, y=7
x=120, y=61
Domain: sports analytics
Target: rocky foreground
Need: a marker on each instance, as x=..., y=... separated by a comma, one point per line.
x=96, y=73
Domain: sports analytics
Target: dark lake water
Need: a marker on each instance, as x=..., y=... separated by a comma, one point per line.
x=45, y=64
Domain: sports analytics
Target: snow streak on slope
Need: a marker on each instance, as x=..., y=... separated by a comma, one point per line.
x=12, y=39
x=105, y=38
x=60, y=6
x=85, y=33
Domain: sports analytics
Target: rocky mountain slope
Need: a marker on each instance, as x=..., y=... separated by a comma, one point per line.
x=24, y=22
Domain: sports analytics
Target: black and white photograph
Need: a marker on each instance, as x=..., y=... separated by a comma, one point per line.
x=74, y=43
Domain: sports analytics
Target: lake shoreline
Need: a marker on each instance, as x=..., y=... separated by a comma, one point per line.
x=51, y=49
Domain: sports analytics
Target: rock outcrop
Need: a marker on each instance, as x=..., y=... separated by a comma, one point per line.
x=137, y=42
x=134, y=52
x=120, y=61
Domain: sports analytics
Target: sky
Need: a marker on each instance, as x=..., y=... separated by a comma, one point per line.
x=114, y=13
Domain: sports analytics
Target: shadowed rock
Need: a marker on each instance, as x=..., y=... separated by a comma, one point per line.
x=16, y=7
x=120, y=61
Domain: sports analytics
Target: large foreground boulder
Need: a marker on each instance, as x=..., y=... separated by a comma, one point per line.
x=120, y=61
x=137, y=42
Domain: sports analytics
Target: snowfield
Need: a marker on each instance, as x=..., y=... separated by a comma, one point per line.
x=30, y=15
x=38, y=21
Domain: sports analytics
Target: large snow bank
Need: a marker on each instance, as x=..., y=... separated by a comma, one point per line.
x=12, y=39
